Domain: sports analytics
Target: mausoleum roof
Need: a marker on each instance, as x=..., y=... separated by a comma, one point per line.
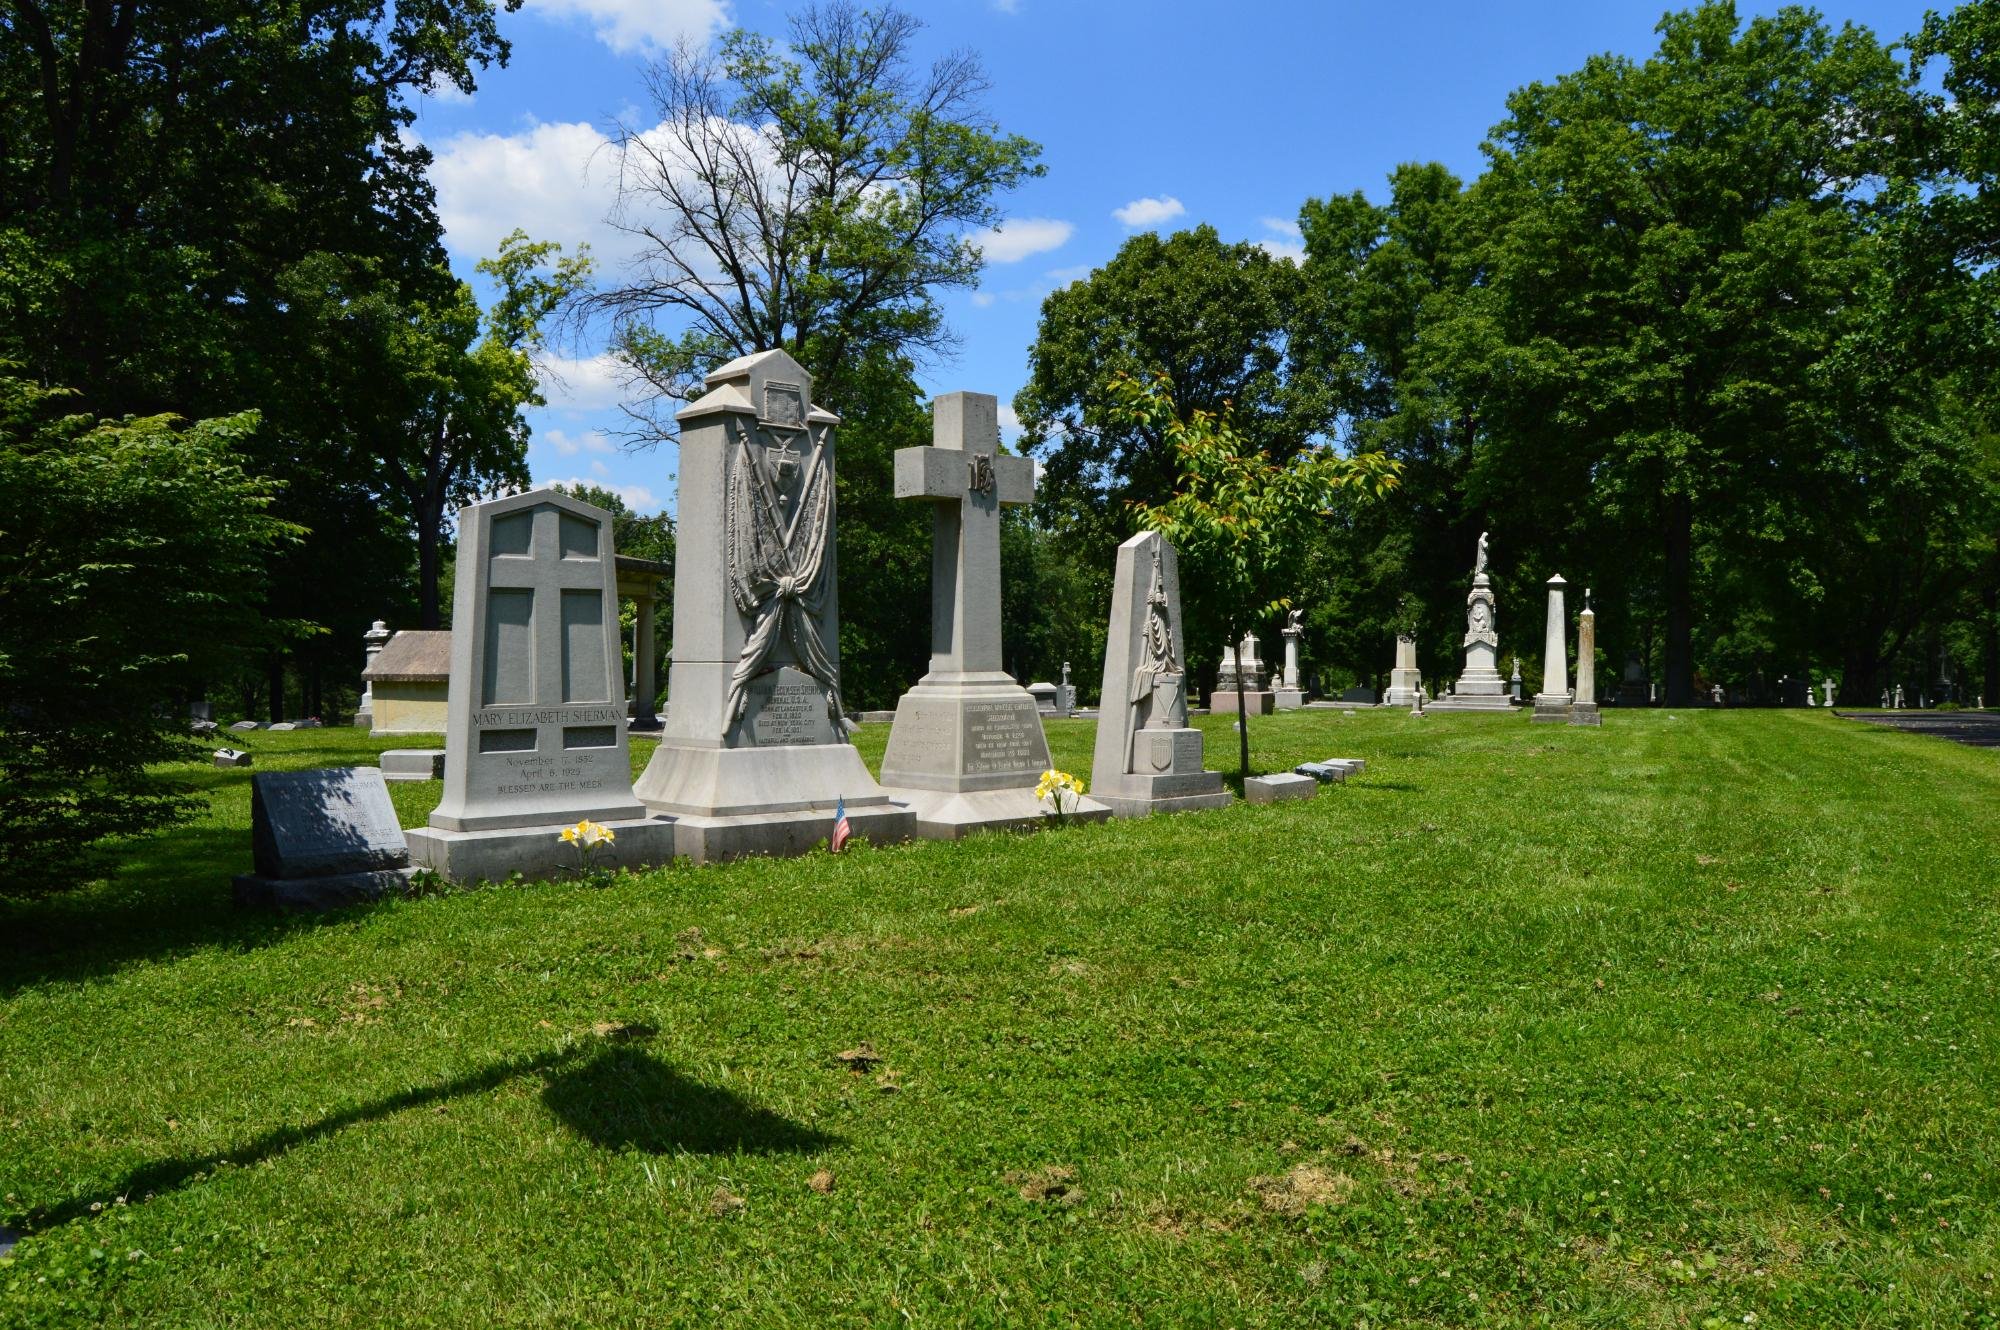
x=414, y=656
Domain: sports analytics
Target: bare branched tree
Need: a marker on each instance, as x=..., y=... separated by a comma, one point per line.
x=813, y=199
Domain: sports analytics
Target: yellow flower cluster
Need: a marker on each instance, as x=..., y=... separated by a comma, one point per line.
x=1053, y=783
x=588, y=833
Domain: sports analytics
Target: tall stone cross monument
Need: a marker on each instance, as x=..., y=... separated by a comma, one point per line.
x=967, y=746
x=535, y=722
x=754, y=756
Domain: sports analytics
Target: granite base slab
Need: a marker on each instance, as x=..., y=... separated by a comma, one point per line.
x=951, y=815
x=1551, y=711
x=1261, y=703
x=1279, y=787
x=317, y=894
x=1289, y=699
x=405, y=764
x=1493, y=702
x=1585, y=713
x=708, y=840
x=536, y=852
x=1122, y=806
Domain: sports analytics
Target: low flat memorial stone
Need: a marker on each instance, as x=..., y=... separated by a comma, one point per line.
x=284, y=725
x=409, y=764
x=1326, y=773
x=322, y=839
x=231, y=757
x=245, y=726
x=1279, y=787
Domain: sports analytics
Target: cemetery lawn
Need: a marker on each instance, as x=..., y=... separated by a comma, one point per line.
x=1680, y=1022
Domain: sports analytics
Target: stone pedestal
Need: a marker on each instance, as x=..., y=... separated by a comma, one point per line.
x=1480, y=687
x=1148, y=759
x=754, y=757
x=967, y=747
x=372, y=643
x=1552, y=702
x=1406, y=682
x=534, y=723
x=1258, y=700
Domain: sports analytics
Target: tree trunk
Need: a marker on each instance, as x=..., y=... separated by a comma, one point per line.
x=1990, y=690
x=274, y=682
x=1242, y=715
x=430, y=541
x=1680, y=601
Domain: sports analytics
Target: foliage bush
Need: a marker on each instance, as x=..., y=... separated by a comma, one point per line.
x=131, y=558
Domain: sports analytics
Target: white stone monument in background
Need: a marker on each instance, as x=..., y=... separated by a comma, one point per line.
x=1289, y=695
x=535, y=717
x=1827, y=689
x=1552, y=703
x=1148, y=758
x=372, y=642
x=1583, y=711
x=1258, y=699
x=1406, y=681
x=1480, y=687
x=967, y=746
x=754, y=756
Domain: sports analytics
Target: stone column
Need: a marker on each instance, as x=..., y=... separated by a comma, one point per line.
x=1552, y=703
x=645, y=677
x=372, y=641
x=1288, y=695
x=1584, y=710
x=1405, y=679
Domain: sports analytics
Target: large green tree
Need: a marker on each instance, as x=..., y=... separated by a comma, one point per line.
x=1672, y=249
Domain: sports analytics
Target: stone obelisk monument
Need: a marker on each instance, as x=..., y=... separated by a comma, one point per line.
x=1584, y=710
x=967, y=747
x=754, y=756
x=1552, y=703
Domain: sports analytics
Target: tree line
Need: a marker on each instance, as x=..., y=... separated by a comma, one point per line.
x=1712, y=333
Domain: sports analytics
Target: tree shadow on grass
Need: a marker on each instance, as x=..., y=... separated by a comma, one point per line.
x=627, y=1099
x=616, y=1098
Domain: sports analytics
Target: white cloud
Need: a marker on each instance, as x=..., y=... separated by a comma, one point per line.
x=1007, y=6
x=637, y=497
x=569, y=445
x=596, y=383
x=1141, y=213
x=640, y=25
x=1012, y=241
x=1074, y=273
x=1010, y=424
x=554, y=181
x=1287, y=241
x=982, y=299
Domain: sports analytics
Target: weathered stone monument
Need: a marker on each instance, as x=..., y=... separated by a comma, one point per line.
x=1514, y=685
x=1258, y=700
x=535, y=721
x=754, y=755
x=1827, y=689
x=1406, y=681
x=1583, y=711
x=1148, y=759
x=1289, y=695
x=967, y=746
x=372, y=643
x=1480, y=687
x=1048, y=698
x=1552, y=703
x=322, y=839
x=1066, y=694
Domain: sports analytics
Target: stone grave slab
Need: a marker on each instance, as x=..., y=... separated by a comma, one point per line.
x=322, y=839
x=412, y=764
x=1279, y=787
x=232, y=757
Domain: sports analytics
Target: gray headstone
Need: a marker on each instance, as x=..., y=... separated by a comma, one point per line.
x=1148, y=758
x=1047, y=697
x=284, y=725
x=320, y=823
x=1279, y=787
x=231, y=757
x=535, y=714
x=245, y=726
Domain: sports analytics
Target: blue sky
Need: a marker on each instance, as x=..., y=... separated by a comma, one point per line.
x=1152, y=114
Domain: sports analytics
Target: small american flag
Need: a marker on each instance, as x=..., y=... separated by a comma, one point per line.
x=842, y=829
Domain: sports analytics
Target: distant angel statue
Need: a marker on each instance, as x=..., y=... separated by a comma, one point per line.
x=1479, y=562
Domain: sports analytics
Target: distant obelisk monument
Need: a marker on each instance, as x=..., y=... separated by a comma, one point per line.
x=1584, y=710
x=1552, y=703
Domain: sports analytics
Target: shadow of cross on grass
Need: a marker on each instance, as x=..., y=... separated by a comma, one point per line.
x=615, y=1098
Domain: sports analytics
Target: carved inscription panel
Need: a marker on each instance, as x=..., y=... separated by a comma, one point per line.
x=1003, y=737
x=787, y=706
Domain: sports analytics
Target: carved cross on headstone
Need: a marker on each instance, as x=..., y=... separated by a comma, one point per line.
x=967, y=485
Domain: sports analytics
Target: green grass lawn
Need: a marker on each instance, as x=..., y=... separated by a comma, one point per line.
x=1682, y=1021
